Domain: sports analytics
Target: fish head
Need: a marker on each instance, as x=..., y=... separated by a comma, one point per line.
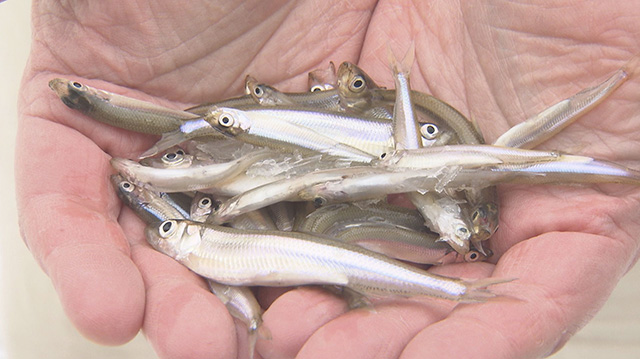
x=175, y=238
x=354, y=85
x=202, y=206
x=228, y=121
x=126, y=190
x=484, y=219
x=261, y=93
x=72, y=93
x=174, y=157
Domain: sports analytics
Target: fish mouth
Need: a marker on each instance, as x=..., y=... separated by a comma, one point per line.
x=59, y=86
x=71, y=94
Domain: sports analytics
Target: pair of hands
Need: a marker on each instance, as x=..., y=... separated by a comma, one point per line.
x=497, y=63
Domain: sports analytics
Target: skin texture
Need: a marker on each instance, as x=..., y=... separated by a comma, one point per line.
x=497, y=62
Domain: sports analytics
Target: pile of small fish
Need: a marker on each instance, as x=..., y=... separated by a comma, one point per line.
x=285, y=189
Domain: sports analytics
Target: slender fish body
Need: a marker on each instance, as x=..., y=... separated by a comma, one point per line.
x=317, y=100
x=150, y=206
x=299, y=130
x=452, y=155
x=552, y=120
x=406, y=132
x=286, y=189
x=362, y=186
x=323, y=219
x=191, y=178
x=397, y=242
x=397, y=232
x=343, y=128
x=276, y=258
x=117, y=110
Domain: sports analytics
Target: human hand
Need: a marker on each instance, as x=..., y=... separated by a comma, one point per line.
x=567, y=246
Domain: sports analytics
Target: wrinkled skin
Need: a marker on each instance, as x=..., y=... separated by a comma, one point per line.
x=497, y=62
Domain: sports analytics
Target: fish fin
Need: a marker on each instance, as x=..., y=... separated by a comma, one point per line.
x=357, y=300
x=257, y=331
x=631, y=67
x=477, y=290
x=332, y=68
x=354, y=298
x=263, y=332
x=168, y=139
x=403, y=66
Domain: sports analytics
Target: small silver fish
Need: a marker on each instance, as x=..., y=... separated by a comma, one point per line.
x=194, y=177
x=276, y=258
x=242, y=305
x=117, y=110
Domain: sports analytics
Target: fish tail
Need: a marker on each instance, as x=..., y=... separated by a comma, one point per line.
x=257, y=331
x=404, y=66
x=477, y=290
x=632, y=66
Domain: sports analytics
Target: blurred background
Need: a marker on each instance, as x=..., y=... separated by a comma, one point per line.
x=33, y=325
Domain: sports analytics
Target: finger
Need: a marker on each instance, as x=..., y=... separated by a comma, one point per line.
x=377, y=333
x=294, y=316
x=384, y=330
x=526, y=212
x=68, y=220
x=562, y=280
x=182, y=319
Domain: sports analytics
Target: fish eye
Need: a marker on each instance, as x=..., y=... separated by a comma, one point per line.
x=316, y=88
x=429, y=131
x=205, y=203
x=225, y=120
x=383, y=155
x=258, y=91
x=462, y=232
x=76, y=85
x=173, y=158
x=319, y=202
x=167, y=228
x=357, y=84
x=127, y=186
x=472, y=256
